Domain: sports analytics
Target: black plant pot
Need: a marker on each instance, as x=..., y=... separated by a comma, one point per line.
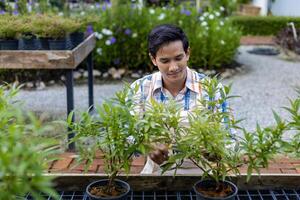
x=211, y=183
x=9, y=44
x=43, y=44
x=75, y=39
x=28, y=44
x=59, y=44
x=102, y=182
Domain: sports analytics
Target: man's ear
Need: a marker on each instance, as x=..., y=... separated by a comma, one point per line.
x=188, y=52
x=153, y=59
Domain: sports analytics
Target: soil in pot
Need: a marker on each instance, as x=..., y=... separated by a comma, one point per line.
x=104, y=191
x=99, y=190
x=210, y=190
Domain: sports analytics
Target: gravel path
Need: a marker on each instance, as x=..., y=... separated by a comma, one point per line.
x=264, y=85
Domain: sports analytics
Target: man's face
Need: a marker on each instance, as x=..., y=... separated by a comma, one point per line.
x=171, y=60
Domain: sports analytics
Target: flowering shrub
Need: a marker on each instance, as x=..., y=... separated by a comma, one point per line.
x=122, y=35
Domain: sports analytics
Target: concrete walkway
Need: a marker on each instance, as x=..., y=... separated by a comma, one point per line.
x=264, y=85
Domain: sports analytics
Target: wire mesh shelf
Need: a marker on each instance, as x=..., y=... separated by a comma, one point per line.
x=280, y=194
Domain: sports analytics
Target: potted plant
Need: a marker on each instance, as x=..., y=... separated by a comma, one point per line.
x=208, y=143
x=77, y=30
x=28, y=40
x=24, y=152
x=56, y=31
x=118, y=133
x=9, y=28
x=40, y=28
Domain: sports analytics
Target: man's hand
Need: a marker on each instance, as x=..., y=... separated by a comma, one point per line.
x=159, y=153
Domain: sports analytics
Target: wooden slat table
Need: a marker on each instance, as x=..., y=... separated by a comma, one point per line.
x=56, y=59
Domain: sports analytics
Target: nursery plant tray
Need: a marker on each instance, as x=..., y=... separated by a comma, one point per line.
x=47, y=59
x=278, y=194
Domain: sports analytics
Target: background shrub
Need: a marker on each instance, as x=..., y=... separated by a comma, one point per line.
x=269, y=25
x=122, y=36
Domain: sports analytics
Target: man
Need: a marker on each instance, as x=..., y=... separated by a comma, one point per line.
x=169, y=51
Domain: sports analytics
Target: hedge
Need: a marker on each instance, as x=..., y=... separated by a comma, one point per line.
x=258, y=25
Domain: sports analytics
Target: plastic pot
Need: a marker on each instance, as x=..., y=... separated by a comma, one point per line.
x=211, y=183
x=59, y=44
x=28, y=44
x=9, y=44
x=102, y=182
x=75, y=39
x=43, y=44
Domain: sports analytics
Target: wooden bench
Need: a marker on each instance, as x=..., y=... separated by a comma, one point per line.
x=56, y=59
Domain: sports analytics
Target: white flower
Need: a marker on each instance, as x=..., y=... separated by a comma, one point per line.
x=60, y=14
x=151, y=11
x=222, y=8
x=99, y=51
x=107, y=42
x=221, y=23
x=217, y=14
x=134, y=35
x=29, y=8
x=204, y=23
x=211, y=16
x=164, y=8
x=106, y=31
x=201, y=18
x=161, y=16
x=82, y=13
x=99, y=36
x=92, y=7
x=205, y=14
x=130, y=139
x=222, y=42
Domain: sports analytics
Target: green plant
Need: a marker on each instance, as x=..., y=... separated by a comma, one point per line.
x=24, y=152
x=213, y=47
x=117, y=132
x=26, y=26
x=229, y=6
x=243, y=1
x=9, y=27
x=293, y=147
x=271, y=24
x=40, y=25
x=51, y=26
x=210, y=145
x=22, y=6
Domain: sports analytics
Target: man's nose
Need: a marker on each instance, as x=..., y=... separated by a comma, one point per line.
x=173, y=66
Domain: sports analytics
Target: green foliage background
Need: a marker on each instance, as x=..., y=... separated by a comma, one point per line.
x=269, y=25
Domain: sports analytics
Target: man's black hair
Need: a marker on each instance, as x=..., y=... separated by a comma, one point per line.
x=164, y=34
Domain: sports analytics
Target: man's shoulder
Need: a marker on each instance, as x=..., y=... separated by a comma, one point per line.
x=197, y=76
x=147, y=79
